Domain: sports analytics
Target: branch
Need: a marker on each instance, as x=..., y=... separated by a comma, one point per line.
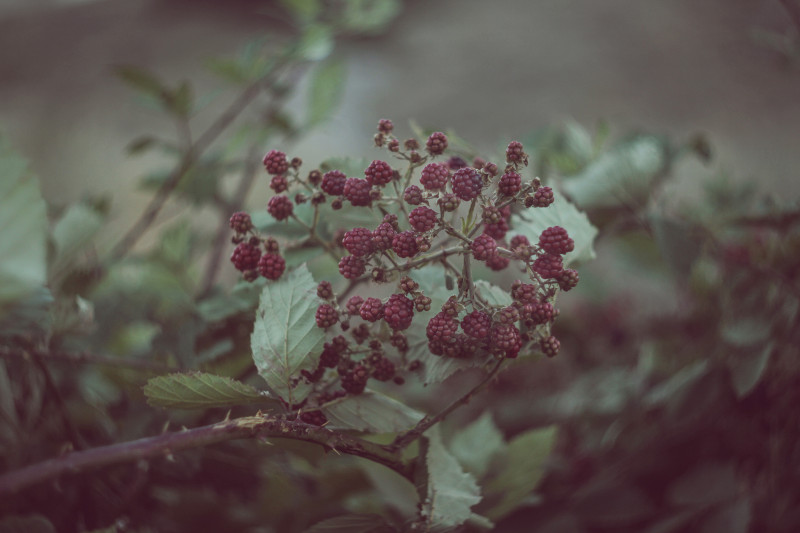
x=163, y=445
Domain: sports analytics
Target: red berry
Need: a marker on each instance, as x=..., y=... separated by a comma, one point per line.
x=477, y=324
x=506, y=338
x=280, y=207
x=537, y=313
x=385, y=126
x=483, y=247
x=437, y=143
x=423, y=218
x=422, y=303
x=383, y=369
x=467, y=183
x=497, y=262
x=398, y=312
x=441, y=328
x=548, y=266
x=357, y=191
x=271, y=266
x=241, y=222
x=519, y=240
x=371, y=310
x=515, y=154
x=382, y=236
x=278, y=183
x=554, y=240
x=354, y=304
x=352, y=267
x=541, y=198
x=497, y=230
x=568, y=279
x=491, y=215
x=449, y=202
x=412, y=195
x=510, y=184
x=314, y=177
x=326, y=316
x=245, y=257
x=408, y=285
x=550, y=346
x=358, y=241
x=275, y=162
x=325, y=290
x=355, y=380
x=379, y=173
x=333, y=182
x=508, y=315
x=404, y=244
x=434, y=176
x=524, y=293
x=455, y=162
x=314, y=418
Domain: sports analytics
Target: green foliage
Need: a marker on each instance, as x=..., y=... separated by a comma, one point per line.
x=372, y=412
x=198, y=391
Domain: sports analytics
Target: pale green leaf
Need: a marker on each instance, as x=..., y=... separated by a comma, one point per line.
x=73, y=232
x=325, y=93
x=493, y=294
x=523, y=468
x=475, y=445
x=370, y=16
x=577, y=142
x=449, y=493
x=372, y=412
x=562, y=213
x=316, y=43
x=285, y=337
x=353, y=523
x=198, y=391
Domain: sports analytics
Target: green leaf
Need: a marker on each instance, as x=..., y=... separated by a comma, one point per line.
x=141, y=144
x=73, y=232
x=370, y=16
x=623, y=175
x=562, y=213
x=448, y=493
x=353, y=523
x=372, y=412
x=181, y=100
x=679, y=382
x=577, y=142
x=436, y=368
x=476, y=445
x=141, y=80
x=708, y=484
x=316, y=43
x=303, y=11
x=325, y=93
x=23, y=230
x=747, y=368
x=198, y=391
x=745, y=331
x=285, y=337
x=492, y=293
x=523, y=469
x=229, y=69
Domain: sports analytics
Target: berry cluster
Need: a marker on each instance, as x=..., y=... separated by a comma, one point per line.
x=253, y=255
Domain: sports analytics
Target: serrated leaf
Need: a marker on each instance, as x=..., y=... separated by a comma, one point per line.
x=353, y=523
x=493, y=294
x=140, y=79
x=198, y=391
x=476, y=445
x=325, y=93
x=524, y=467
x=449, y=492
x=372, y=412
x=623, y=175
x=562, y=213
x=285, y=337
x=23, y=230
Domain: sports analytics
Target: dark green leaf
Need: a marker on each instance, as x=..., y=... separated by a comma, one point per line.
x=181, y=100
x=372, y=412
x=476, y=445
x=140, y=144
x=73, y=232
x=353, y=523
x=325, y=93
x=198, y=391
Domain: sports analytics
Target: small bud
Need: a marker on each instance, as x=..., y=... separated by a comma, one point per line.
x=379, y=139
x=314, y=177
x=411, y=144
x=296, y=163
x=393, y=145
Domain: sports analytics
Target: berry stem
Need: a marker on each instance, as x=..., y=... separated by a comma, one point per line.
x=312, y=233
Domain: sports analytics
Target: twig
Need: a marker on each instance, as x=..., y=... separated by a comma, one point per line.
x=426, y=423
x=163, y=445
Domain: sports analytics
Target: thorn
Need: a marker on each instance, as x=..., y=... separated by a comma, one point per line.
x=227, y=416
x=166, y=427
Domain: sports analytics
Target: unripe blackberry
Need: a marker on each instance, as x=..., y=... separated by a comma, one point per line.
x=508, y=315
x=423, y=243
x=325, y=290
x=441, y=328
x=271, y=245
x=357, y=192
x=550, y=346
x=477, y=324
x=360, y=333
x=491, y=169
x=478, y=162
x=250, y=275
x=393, y=220
x=537, y=313
x=275, y=162
x=315, y=376
x=393, y=145
x=519, y=240
x=280, y=207
x=483, y=247
x=555, y=240
x=271, y=266
x=329, y=357
x=455, y=163
x=382, y=236
x=568, y=279
x=436, y=143
x=385, y=126
x=355, y=381
x=434, y=176
x=300, y=198
x=278, y=183
x=411, y=144
x=378, y=173
x=515, y=154
x=296, y=163
x=379, y=139
x=399, y=341
x=412, y=195
x=497, y=262
x=423, y=219
x=352, y=267
x=245, y=257
x=241, y=222
x=380, y=275
x=326, y=316
x=404, y=244
x=371, y=310
x=336, y=204
x=461, y=347
x=498, y=230
x=509, y=184
x=398, y=312
x=467, y=183
x=491, y=215
x=506, y=211
x=354, y=304
x=548, y=266
x=317, y=198
x=408, y=285
x=505, y=338
x=358, y=241
x=422, y=303
x=524, y=293
x=541, y=198
x=449, y=202
x=451, y=307
x=333, y=182
x=314, y=177
x=383, y=369
x=314, y=418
